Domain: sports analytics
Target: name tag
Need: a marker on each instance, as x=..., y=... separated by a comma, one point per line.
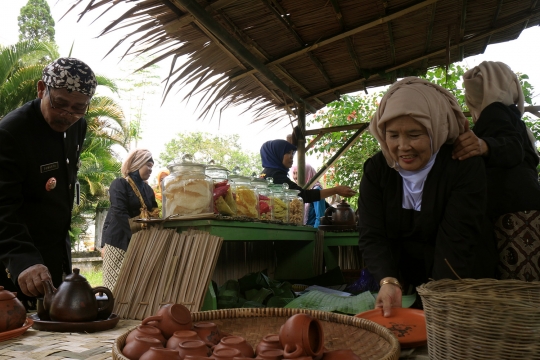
x=49, y=167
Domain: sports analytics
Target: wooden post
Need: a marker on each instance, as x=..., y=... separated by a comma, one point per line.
x=301, y=144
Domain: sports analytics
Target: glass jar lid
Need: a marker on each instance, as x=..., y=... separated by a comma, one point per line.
x=259, y=183
x=185, y=165
x=216, y=171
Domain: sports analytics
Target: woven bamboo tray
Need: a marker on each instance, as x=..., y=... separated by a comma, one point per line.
x=366, y=338
x=482, y=319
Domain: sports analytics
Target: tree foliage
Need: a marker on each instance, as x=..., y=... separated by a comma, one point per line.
x=225, y=150
x=359, y=108
x=35, y=22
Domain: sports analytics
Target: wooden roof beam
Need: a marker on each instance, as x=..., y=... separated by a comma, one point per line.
x=341, y=36
x=495, y=17
x=438, y=52
x=348, y=41
x=238, y=49
x=462, y=21
x=429, y=34
x=278, y=12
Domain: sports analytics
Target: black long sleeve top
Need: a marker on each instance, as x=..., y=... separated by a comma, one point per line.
x=34, y=222
x=124, y=205
x=281, y=177
x=452, y=223
x=512, y=178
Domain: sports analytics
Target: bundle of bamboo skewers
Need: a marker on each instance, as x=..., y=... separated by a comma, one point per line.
x=162, y=266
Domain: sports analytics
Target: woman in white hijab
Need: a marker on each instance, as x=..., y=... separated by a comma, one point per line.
x=129, y=195
x=495, y=98
x=421, y=213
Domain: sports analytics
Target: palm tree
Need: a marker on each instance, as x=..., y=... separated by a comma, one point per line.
x=20, y=70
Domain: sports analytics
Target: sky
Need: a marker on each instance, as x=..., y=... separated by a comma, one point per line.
x=163, y=122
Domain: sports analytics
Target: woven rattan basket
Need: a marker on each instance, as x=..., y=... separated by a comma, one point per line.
x=482, y=319
x=367, y=339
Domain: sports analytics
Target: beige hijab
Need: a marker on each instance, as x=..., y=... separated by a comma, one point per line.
x=431, y=105
x=493, y=81
x=135, y=160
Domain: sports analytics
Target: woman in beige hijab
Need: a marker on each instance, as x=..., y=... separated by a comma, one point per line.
x=421, y=213
x=128, y=195
x=495, y=98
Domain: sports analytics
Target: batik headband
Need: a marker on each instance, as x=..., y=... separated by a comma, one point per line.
x=71, y=74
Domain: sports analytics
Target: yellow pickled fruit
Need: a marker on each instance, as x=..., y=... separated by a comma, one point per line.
x=223, y=207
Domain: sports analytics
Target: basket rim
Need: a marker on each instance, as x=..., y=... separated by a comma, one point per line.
x=386, y=334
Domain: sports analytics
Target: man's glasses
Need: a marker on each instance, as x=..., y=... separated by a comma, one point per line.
x=58, y=108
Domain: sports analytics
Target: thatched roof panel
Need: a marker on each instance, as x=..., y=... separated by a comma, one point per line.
x=273, y=54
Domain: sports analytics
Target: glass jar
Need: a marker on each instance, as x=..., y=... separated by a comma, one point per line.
x=217, y=173
x=187, y=190
x=246, y=197
x=295, y=205
x=265, y=198
x=279, y=202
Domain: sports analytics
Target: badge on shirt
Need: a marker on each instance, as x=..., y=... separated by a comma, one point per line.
x=49, y=167
x=51, y=184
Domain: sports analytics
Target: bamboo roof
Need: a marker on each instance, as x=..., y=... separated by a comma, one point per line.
x=276, y=54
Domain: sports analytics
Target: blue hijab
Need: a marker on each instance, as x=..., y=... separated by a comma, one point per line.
x=272, y=153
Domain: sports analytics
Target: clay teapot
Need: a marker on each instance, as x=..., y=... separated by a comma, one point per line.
x=342, y=215
x=75, y=300
x=12, y=311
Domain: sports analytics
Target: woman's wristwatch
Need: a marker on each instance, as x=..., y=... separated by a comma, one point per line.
x=392, y=281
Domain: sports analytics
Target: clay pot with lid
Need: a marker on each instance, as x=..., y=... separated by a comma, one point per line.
x=270, y=354
x=180, y=336
x=270, y=341
x=160, y=354
x=136, y=348
x=75, y=300
x=146, y=331
x=170, y=318
x=236, y=342
x=194, y=348
x=343, y=214
x=301, y=335
x=12, y=311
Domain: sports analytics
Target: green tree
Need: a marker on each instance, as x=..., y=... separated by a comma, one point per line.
x=20, y=71
x=224, y=150
x=35, y=22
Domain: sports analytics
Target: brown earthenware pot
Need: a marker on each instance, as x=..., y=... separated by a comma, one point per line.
x=270, y=354
x=12, y=311
x=146, y=331
x=343, y=214
x=342, y=354
x=193, y=347
x=236, y=342
x=180, y=336
x=270, y=341
x=301, y=335
x=161, y=354
x=208, y=332
x=170, y=318
x=136, y=348
x=226, y=354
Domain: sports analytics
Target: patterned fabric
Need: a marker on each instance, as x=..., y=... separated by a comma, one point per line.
x=112, y=262
x=518, y=237
x=71, y=74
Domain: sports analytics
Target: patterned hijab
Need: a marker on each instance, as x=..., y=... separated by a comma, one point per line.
x=71, y=74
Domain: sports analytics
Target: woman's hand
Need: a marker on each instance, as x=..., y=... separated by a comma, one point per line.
x=389, y=297
x=344, y=191
x=468, y=145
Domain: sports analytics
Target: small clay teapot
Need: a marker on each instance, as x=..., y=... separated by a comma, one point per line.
x=75, y=300
x=12, y=311
x=342, y=215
